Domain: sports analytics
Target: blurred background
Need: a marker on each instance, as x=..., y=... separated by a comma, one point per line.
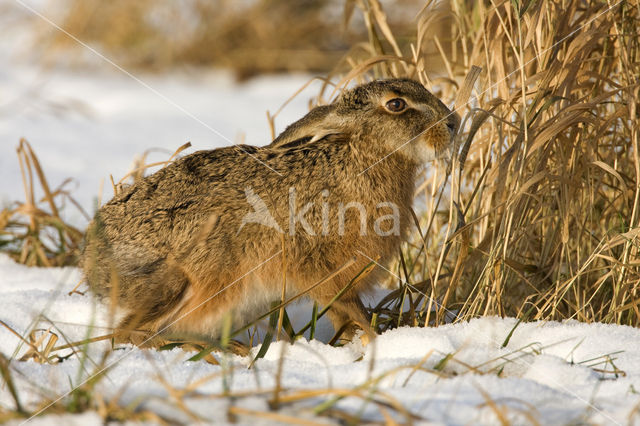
x=249, y=38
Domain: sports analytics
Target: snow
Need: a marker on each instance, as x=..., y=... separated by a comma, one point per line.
x=553, y=373
x=88, y=125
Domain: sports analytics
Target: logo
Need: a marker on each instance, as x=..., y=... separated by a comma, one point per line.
x=386, y=222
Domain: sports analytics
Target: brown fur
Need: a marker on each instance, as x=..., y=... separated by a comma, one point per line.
x=173, y=246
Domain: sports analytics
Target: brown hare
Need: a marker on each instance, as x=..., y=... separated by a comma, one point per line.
x=204, y=236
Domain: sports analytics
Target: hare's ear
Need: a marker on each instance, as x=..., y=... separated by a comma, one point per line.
x=292, y=144
x=323, y=133
x=307, y=140
x=319, y=122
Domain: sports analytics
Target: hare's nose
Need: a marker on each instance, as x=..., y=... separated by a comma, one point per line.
x=452, y=123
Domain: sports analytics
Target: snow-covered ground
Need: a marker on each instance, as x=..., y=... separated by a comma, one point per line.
x=88, y=125
x=549, y=373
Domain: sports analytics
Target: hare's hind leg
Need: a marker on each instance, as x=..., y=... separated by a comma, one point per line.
x=149, y=301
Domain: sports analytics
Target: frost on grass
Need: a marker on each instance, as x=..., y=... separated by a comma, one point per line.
x=458, y=374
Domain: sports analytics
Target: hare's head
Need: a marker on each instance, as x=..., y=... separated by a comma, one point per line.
x=396, y=115
x=402, y=115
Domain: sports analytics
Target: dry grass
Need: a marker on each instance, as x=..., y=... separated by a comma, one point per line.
x=548, y=218
x=32, y=232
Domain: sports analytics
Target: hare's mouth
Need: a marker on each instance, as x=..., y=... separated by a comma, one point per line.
x=435, y=144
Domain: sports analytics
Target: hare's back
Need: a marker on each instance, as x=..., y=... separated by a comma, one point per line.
x=184, y=193
x=199, y=174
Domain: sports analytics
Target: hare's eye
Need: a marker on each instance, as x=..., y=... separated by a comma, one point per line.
x=396, y=105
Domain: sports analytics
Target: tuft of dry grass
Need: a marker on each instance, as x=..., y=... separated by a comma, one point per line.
x=32, y=232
